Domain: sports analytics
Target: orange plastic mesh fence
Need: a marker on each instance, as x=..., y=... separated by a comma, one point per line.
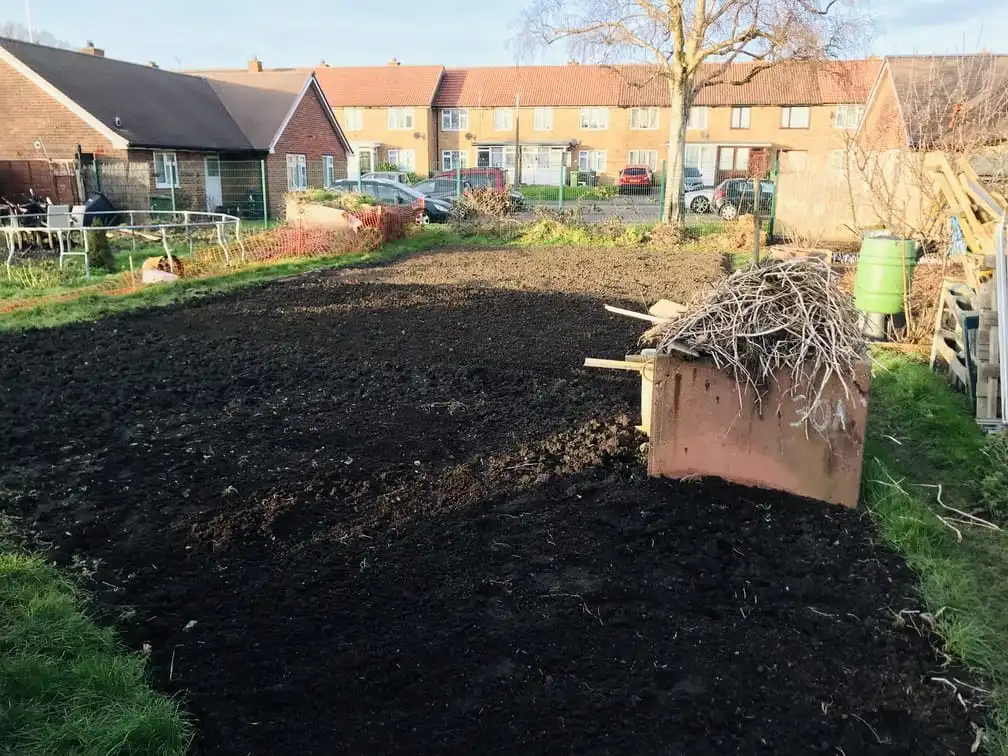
x=286, y=242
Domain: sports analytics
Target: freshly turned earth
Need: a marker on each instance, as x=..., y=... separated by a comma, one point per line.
x=404, y=520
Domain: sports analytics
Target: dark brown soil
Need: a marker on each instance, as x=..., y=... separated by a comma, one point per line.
x=388, y=512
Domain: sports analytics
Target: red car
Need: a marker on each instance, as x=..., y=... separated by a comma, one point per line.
x=635, y=179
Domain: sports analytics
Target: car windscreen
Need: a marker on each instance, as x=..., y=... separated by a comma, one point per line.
x=635, y=171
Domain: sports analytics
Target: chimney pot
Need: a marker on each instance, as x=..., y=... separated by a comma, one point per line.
x=255, y=65
x=152, y=64
x=394, y=62
x=90, y=49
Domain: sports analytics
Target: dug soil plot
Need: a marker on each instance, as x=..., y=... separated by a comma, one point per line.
x=387, y=512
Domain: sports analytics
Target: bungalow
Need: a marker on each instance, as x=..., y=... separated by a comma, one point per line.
x=150, y=138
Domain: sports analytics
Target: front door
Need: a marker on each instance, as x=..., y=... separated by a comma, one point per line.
x=214, y=195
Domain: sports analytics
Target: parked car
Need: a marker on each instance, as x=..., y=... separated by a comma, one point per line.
x=692, y=179
x=699, y=200
x=635, y=179
x=393, y=193
x=735, y=197
x=445, y=185
x=398, y=176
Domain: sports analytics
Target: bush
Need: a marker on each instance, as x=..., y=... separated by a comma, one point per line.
x=600, y=192
x=387, y=168
x=339, y=200
x=484, y=202
x=100, y=254
x=994, y=484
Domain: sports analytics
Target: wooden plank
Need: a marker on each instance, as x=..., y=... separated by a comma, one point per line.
x=634, y=314
x=597, y=362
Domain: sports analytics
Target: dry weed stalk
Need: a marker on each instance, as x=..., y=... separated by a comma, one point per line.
x=786, y=315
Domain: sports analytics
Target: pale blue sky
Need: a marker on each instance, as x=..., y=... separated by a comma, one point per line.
x=226, y=33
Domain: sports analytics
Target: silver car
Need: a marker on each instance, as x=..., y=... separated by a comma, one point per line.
x=398, y=176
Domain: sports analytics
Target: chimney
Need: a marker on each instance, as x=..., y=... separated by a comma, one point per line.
x=572, y=62
x=90, y=49
x=394, y=62
x=255, y=65
x=152, y=64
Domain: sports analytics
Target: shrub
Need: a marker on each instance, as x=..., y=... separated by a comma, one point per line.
x=100, y=254
x=333, y=198
x=484, y=202
x=386, y=167
x=599, y=193
x=994, y=484
x=36, y=275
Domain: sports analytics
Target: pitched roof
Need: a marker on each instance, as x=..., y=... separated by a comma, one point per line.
x=575, y=85
x=155, y=108
x=380, y=86
x=259, y=102
x=950, y=99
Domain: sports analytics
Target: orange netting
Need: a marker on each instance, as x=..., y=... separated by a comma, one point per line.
x=290, y=241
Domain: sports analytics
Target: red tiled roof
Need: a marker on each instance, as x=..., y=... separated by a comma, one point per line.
x=379, y=86
x=577, y=85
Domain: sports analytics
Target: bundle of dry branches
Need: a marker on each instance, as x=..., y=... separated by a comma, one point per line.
x=785, y=315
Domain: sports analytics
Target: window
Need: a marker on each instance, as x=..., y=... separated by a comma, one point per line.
x=297, y=172
x=400, y=119
x=592, y=160
x=328, y=171
x=495, y=157
x=454, y=119
x=848, y=116
x=793, y=161
x=644, y=157
x=404, y=160
x=838, y=160
x=594, y=119
x=697, y=118
x=794, y=118
x=166, y=173
x=644, y=118
x=542, y=119
x=740, y=118
x=733, y=159
x=452, y=159
x=503, y=119
x=353, y=119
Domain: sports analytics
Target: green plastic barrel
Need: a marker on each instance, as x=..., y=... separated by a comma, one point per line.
x=878, y=286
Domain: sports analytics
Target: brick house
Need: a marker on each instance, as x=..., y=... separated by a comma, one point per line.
x=150, y=138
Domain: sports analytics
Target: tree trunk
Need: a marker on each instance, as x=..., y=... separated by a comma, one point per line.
x=674, y=212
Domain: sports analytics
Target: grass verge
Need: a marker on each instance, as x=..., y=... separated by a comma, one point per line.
x=964, y=583
x=66, y=687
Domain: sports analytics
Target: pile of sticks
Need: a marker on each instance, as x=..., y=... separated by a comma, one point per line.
x=784, y=316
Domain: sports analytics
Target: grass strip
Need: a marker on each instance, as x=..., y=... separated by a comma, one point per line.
x=66, y=687
x=921, y=432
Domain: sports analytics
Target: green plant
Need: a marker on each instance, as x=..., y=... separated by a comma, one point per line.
x=599, y=193
x=100, y=253
x=994, y=484
x=387, y=167
x=37, y=275
x=483, y=202
x=333, y=198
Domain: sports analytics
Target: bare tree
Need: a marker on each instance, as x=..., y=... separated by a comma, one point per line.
x=691, y=44
x=14, y=30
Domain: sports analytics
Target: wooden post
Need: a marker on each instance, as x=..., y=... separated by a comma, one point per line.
x=757, y=197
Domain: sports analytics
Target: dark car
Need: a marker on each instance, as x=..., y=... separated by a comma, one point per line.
x=735, y=197
x=446, y=186
x=429, y=210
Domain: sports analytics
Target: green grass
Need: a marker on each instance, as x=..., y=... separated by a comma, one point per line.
x=538, y=193
x=66, y=687
x=963, y=583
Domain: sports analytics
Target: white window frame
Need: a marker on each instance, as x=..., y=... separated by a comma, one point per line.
x=594, y=119
x=589, y=160
x=741, y=117
x=170, y=170
x=644, y=119
x=542, y=119
x=403, y=160
x=848, y=117
x=697, y=118
x=297, y=172
x=454, y=119
x=328, y=171
x=791, y=117
x=449, y=158
x=503, y=119
x=643, y=157
x=399, y=119
x=353, y=119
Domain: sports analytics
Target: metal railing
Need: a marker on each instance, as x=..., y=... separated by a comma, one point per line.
x=65, y=225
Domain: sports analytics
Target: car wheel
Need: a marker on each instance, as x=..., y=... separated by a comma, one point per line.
x=729, y=211
x=423, y=219
x=700, y=205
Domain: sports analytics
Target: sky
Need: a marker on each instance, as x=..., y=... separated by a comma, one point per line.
x=227, y=33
